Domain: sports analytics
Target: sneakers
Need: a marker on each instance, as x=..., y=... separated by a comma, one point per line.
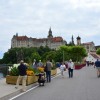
x=98, y=76
x=23, y=90
x=16, y=87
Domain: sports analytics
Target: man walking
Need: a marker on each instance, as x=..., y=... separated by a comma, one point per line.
x=97, y=64
x=22, y=75
x=70, y=68
x=49, y=65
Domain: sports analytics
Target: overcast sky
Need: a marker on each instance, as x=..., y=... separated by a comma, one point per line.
x=33, y=18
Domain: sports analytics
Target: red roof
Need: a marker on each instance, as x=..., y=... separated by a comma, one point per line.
x=57, y=39
x=95, y=56
x=22, y=38
x=88, y=43
x=25, y=38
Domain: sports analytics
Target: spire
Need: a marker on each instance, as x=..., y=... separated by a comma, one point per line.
x=16, y=34
x=72, y=40
x=50, y=33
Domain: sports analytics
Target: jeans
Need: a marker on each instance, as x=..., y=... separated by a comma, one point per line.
x=48, y=76
x=70, y=72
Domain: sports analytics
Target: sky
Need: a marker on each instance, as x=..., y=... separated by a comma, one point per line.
x=33, y=18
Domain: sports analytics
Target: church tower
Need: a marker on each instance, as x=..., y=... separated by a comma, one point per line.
x=50, y=33
x=72, y=40
x=78, y=40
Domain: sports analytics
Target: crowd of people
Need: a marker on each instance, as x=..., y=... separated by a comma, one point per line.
x=47, y=68
x=23, y=75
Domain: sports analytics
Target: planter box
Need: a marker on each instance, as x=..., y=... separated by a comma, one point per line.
x=79, y=66
x=54, y=72
x=13, y=79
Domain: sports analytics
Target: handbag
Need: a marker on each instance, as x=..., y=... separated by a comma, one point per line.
x=64, y=69
x=45, y=68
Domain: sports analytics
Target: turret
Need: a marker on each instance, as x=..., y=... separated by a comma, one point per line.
x=78, y=40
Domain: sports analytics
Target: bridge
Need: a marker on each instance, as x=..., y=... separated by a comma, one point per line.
x=83, y=86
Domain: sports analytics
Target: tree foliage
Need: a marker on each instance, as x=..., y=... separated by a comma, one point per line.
x=76, y=53
x=14, y=55
x=98, y=51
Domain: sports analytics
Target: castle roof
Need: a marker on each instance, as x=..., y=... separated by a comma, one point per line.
x=57, y=39
x=22, y=38
x=88, y=43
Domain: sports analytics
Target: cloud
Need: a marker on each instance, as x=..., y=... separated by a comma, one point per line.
x=34, y=18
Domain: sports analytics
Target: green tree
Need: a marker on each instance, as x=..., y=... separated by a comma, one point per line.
x=98, y=51
x=36, y=56
x=78, y=53
x=51, y=55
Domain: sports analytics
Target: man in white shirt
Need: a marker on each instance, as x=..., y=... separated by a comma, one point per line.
x=70, y=68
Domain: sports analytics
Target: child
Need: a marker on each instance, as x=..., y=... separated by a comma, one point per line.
x=62, y=69
x=41, y=79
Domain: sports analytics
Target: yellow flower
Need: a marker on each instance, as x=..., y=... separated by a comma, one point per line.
x=29, y=72
x=41, y=69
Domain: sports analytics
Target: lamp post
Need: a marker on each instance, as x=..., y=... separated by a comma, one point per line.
x=17, y=56
x=63, y=56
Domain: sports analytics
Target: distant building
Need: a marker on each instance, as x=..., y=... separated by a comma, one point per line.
x=50, y=41
x=78, y=40
x=92, y=57
x=97, y=47
x=89, y=46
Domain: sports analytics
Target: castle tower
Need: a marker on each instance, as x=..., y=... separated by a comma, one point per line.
x=50, y=33
x=16, y=34
x=78, y=40
x=72, y=40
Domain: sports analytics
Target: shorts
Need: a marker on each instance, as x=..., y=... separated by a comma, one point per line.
x=98, y=68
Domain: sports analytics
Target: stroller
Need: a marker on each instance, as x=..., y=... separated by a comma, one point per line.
x=41, y=79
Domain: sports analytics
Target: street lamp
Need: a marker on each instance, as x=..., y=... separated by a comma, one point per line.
x=63, y=56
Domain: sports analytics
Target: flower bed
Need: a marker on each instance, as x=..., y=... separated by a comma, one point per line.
x=79, y=66
x=13, y=79
x=53, y=72
x=31, y=74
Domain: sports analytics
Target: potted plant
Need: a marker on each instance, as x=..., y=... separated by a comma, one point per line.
x=53, y=70
x=11, y=78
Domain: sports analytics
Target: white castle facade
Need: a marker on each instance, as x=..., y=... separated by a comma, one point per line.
x=50, y=41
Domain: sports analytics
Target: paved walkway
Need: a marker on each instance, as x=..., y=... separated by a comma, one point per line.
x=8, y=90
x=83, y=86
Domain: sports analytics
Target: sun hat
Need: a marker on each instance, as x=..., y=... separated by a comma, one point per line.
x=21, y=61
x=70, y=60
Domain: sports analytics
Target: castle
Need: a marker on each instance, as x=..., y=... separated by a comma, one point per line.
x=50, y=41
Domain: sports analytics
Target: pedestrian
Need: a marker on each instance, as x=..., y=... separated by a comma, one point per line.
x=71, y=66
x=35, y=64
x=22, y=75
x=40, y=64
x=49, y=65
x=97, y=64
x=62, y=69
